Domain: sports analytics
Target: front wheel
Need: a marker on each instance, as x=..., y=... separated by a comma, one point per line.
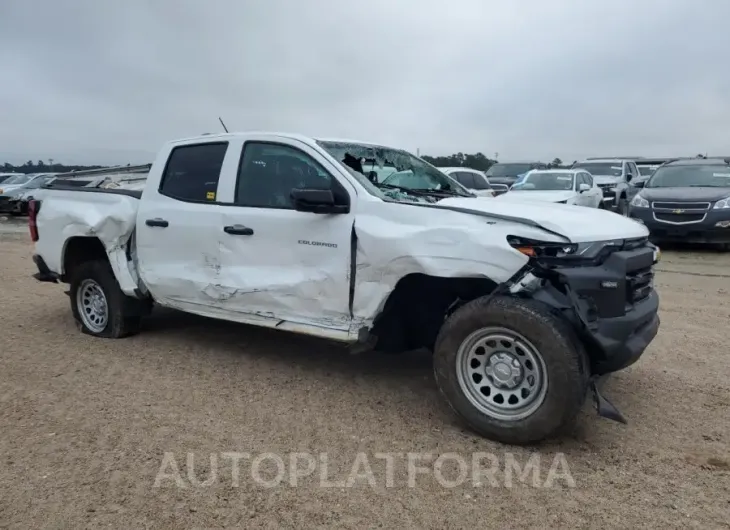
x=510, y=368
x=623, y=206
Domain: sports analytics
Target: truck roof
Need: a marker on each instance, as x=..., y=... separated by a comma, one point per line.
x=292, y=136
x=699, y=161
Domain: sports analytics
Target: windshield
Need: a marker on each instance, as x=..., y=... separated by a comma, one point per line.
x=691, y=176
x=20, y=179
x=384, y=172
x=38, y=182
x=612, y=169
x=538, y=181
x=645, y=171
x=508, y=170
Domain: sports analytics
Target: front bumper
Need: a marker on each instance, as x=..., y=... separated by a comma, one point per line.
x=705, y=231
x=9, y=205
x=613, y=307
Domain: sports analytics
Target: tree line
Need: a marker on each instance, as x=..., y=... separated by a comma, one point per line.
x=41, y=167
x=477, y=161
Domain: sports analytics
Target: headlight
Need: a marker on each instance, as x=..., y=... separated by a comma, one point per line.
x=721, y=205
x=639, y=201
x=559, y=252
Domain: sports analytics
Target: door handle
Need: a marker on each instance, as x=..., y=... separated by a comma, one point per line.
x=238, y=230
x=157, y=222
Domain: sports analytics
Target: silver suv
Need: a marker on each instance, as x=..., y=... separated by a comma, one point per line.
x=612, y=175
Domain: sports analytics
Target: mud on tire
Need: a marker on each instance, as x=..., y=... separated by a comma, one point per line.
x=124, y=313
x=565, y=364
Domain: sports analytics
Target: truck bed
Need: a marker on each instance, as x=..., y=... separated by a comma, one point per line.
x=72, y=212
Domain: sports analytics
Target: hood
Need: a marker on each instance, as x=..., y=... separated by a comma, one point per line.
x=534, y=195
x=13, y=192
x=606, y=179
x=685, y=194
x=10, y=187
x=578, y=223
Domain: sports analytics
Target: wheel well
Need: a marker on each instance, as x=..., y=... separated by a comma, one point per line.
x=417, y=307
x=80, y=250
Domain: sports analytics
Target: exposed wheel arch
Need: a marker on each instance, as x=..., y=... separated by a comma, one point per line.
x=417, y=307
x=79, y=250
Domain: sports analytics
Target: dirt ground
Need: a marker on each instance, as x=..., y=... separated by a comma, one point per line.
x=85, y=425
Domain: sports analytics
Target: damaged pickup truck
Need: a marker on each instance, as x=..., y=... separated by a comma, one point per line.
x=524, y=306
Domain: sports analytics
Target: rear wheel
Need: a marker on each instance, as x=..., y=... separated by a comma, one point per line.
x=513, y=370
x=99, y=306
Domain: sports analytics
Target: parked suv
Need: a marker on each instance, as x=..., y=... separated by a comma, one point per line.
x=613, y=176
x=687, y=200
x=475, y=181
x=508, y=173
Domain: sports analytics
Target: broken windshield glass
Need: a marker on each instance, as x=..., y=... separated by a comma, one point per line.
x=394, y=173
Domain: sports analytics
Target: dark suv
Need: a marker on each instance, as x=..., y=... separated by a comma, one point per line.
x=507, y=173
x=686, y=200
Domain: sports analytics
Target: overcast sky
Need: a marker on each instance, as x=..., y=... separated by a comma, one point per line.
x=101, y=81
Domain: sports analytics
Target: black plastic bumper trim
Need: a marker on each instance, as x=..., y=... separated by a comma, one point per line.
x=44, y=274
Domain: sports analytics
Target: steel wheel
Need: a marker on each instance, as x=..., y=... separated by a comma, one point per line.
x=501, y=373
x=92, y=305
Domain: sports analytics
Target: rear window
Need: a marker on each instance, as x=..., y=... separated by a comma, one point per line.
x=192, y=172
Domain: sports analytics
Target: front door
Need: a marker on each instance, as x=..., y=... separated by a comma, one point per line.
x=177, y=227
x=277, y=262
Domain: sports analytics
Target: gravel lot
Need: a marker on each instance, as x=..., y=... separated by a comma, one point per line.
x=85, y=423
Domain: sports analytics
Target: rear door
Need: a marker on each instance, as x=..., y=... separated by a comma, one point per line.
x=277, y=262
x=178, y=226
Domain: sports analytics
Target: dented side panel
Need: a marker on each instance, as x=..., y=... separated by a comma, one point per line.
x=295, y=267
x=108, y=217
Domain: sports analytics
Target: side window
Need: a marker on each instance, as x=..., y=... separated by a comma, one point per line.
x=588, y=179
x=465, y=178
x=268, y=172
x=192, y=172
x=480, y=183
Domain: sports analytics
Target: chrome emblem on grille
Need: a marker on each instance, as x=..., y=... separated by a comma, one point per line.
x=677, y=211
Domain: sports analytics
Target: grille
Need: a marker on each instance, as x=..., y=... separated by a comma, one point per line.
x=607, y=190
x=679, y=218
x=681, y=206
x=639, y=284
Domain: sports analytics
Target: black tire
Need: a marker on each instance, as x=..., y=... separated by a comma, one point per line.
x=564, y=358
x=623, y=206
x=124, y=312
x=601, y=205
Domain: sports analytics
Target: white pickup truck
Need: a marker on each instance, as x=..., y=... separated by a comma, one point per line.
x=525, y=306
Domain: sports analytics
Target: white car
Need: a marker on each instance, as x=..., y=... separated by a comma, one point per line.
x=565, y=186
x=523, y=304
x=474, y=180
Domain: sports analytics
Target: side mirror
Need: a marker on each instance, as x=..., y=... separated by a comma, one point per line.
x=629, y=176
x=316, y=201
x=583, y=187
x=639, y=183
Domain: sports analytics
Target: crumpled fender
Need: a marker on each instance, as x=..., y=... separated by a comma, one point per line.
x=394, y=241
x=108, y=217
